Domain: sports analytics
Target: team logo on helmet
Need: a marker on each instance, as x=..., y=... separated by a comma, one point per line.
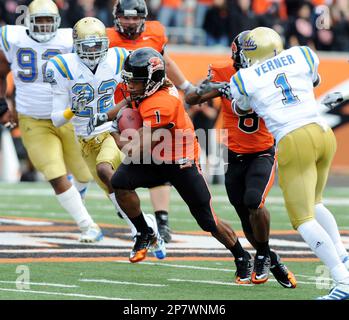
x=249, y=44
x=155, y=63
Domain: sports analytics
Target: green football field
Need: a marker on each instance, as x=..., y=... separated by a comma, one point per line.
x=41, y=259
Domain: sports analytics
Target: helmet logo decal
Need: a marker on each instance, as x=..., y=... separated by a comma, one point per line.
x=249, y=44
x=234, y=48
x=156, y=64
x=130, y=13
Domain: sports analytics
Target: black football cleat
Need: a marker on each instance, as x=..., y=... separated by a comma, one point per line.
x=244, y=267
x=261, y=269
x=282, y=275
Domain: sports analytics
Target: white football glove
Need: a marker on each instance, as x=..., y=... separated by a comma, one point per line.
x=95, y=121
x=79, y=102
x=333, y=100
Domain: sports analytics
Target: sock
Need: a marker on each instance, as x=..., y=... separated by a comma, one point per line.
x=237, y=250
x=81, y=187
x=273, y=258
x=326, y=219
x=124, y=215
x=140, y=224
x=161, y=215
x=321, y=244
x=71, y=201
x=262, y=248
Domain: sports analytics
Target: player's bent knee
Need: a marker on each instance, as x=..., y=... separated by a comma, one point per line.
x=252, y=198
x=204, y=218
x=119, y=181
x=104, y=171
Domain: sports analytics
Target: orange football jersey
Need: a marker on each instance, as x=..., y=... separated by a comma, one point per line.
x=246, y=134
x=165, y=109
x=153, y=36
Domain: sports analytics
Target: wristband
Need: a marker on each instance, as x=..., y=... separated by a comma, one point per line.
x=184, y=85
x=68, y=114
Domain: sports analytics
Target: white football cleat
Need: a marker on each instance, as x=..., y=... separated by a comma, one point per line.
x=338, y=292
x=158, y=248
x=92, y=234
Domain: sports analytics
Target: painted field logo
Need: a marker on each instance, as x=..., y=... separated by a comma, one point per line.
x=35, y=240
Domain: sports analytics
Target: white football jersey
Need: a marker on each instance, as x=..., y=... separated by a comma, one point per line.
x=70, y=76
x=28, y=59
x=280, y=90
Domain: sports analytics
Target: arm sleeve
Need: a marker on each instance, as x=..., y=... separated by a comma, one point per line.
x=239, y=93
x=61, y=95
x=5, y=45
x=312, y=61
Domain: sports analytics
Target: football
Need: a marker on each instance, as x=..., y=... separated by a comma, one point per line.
x=130, y=119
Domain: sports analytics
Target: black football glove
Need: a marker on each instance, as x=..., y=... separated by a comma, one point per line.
x=95, y=121
x=333, y=100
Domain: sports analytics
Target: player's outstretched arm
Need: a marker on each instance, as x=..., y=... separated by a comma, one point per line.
x=176, y=75
x=334, y=99
x=7, y=117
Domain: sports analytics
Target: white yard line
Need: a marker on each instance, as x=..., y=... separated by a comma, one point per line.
x=229, y=283
x=335, y=201
x=123, y=282
x=205, y=268
x=59, y=285
x=210, y=282
x=77, y=295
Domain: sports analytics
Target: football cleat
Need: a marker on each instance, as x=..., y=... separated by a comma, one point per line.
x=244, y=267
x=261, y=269
x=282, y=275
x=163, y=228
x=158, y=248
x=145, y=242
x=339, y=292
x=92, y=234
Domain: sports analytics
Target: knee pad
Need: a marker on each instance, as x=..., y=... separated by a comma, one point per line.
x=252, y=198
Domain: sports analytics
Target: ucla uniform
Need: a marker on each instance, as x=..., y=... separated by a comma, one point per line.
x=70, y=77
x=280, y=90
x=49, y=148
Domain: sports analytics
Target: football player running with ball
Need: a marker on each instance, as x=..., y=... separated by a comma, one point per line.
x=250, y=171
x=53, y=151
x=278, y=85
x=87, y=83
x=132, y=31
x=167, y=151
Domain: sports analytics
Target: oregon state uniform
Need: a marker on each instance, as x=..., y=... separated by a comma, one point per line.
x=70, y=76
x=251, y=156
x=177, y=163
x=50, y=149
x=280, y=90
x=153, y=36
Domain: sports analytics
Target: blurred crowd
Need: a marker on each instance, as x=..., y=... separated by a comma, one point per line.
x=320, y=24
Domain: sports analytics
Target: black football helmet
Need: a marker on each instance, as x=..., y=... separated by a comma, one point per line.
x=144, y=65
x=236, y=47
x=130, y=8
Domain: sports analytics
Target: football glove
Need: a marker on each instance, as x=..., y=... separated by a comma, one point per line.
x=79, y=102
x=207, y=86
x=95, y=121
x=333, y=100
